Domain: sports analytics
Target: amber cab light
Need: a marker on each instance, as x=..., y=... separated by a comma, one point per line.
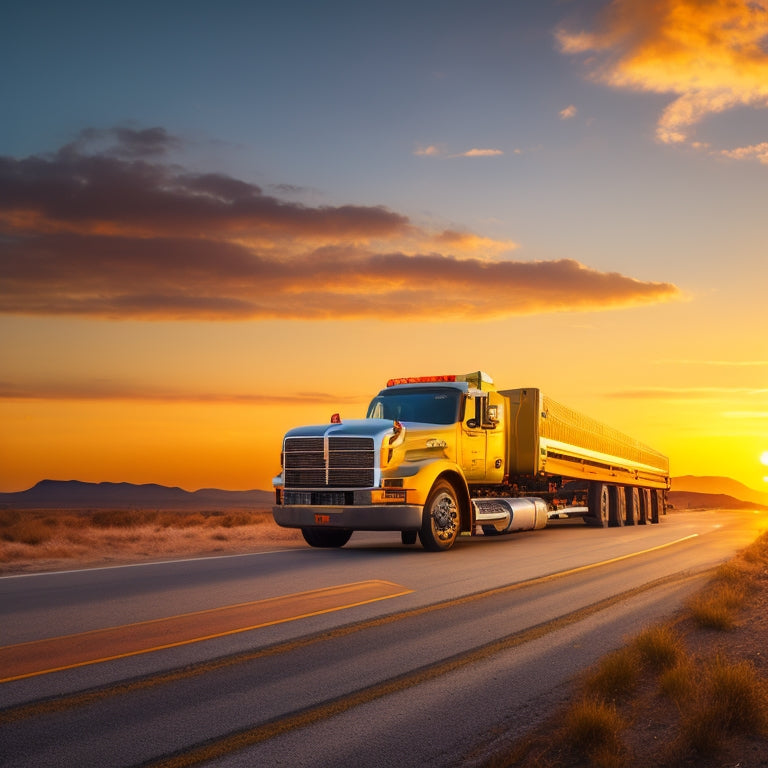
x=420, y=380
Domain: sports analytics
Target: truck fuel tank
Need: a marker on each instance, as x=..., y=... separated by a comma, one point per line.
x=504, y=514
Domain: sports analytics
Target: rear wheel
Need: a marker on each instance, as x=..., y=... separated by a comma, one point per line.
x=441, y=518
x=633, y=505
x=617, y=505
x=645, y=506
x=657, y=505
x=599, y=504
x=326, y=537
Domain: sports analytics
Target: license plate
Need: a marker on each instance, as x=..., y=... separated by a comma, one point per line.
x=322, y=519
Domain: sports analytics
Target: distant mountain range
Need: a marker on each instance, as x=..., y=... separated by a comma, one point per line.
x=687, y=491
x=719, y=485
x=73, y=494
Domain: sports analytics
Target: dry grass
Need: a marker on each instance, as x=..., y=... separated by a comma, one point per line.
x=38, y=539
x=615, y=676
x=717, y=606
x=593, y=729
x=689, y=693
x=729, y=699
x=660, y=647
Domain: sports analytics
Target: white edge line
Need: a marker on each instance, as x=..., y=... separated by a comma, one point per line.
x=152, y=562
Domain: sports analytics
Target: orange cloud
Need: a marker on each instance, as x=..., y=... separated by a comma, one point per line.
x=433, y=151
x=115, y=235
x=756, y=151
x=482, y=153
x=107, y=390
x=688, y=393
x=710, y=54
x=717, y=363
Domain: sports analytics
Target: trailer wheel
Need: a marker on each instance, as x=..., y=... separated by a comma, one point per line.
x=326, y=537
x=408, y=537
x=657, y=506
x=645, y=505
x=633, y=506
x=599, y=504
x=440, y=519
x=617, y=505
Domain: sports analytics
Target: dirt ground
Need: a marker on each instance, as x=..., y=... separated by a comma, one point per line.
x=63, y=540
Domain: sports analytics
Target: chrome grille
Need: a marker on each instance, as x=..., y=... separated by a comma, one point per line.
x=333, y=462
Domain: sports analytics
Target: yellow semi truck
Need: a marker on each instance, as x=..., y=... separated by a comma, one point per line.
x=441, y=456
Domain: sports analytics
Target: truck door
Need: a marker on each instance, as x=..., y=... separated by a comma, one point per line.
x=473, y=441
x=482, y=439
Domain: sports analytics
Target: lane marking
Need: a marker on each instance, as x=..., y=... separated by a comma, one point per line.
x=152, y=562
x=40, y=657
x=624, y=557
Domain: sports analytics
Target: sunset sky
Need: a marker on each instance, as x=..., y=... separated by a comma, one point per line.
x=220, y=221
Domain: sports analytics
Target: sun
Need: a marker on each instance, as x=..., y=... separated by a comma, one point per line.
x=764, y=458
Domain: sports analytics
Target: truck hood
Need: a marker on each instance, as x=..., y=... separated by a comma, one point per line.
x=352, y=428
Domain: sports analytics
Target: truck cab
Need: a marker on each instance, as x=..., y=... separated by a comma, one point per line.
x=408, y=466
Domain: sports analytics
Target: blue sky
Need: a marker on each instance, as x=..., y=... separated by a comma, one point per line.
x=193, y=196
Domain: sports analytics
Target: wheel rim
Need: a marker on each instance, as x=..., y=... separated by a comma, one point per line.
x=444, y=514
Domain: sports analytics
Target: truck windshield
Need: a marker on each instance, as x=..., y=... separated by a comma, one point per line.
x=429, y=406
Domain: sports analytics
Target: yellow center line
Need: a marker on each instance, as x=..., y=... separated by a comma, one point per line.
x=55, y=654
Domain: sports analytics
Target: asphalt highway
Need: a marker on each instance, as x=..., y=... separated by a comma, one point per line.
x=372, y=655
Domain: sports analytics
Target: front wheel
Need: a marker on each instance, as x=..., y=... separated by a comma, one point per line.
x=326, y=537
x=441, y=518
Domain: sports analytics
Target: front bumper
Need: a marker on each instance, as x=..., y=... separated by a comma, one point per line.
x=376, y=517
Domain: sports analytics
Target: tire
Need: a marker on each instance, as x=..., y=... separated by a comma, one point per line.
x=633, y=505
x=599, y=503
x=657, y=506
x=645, y=505
x=441, y=518
x=617, y=511
x=408, y=537
x=326, y=537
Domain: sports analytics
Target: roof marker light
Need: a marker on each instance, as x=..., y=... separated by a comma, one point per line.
x=420, y=380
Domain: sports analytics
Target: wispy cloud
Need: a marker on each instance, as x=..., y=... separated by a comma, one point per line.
x=687, y=393
x=429, y=151
x=754, y=152
x=710, y=55
x=716, y=363
x=568, y=112
x=110, y=390
x=481, y=153
x=119, y=234
x=433, y=150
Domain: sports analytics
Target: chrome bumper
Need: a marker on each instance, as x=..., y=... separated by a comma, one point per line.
x=378, y=517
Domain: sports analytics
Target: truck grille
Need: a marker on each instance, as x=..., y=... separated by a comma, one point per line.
x=332, y=462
